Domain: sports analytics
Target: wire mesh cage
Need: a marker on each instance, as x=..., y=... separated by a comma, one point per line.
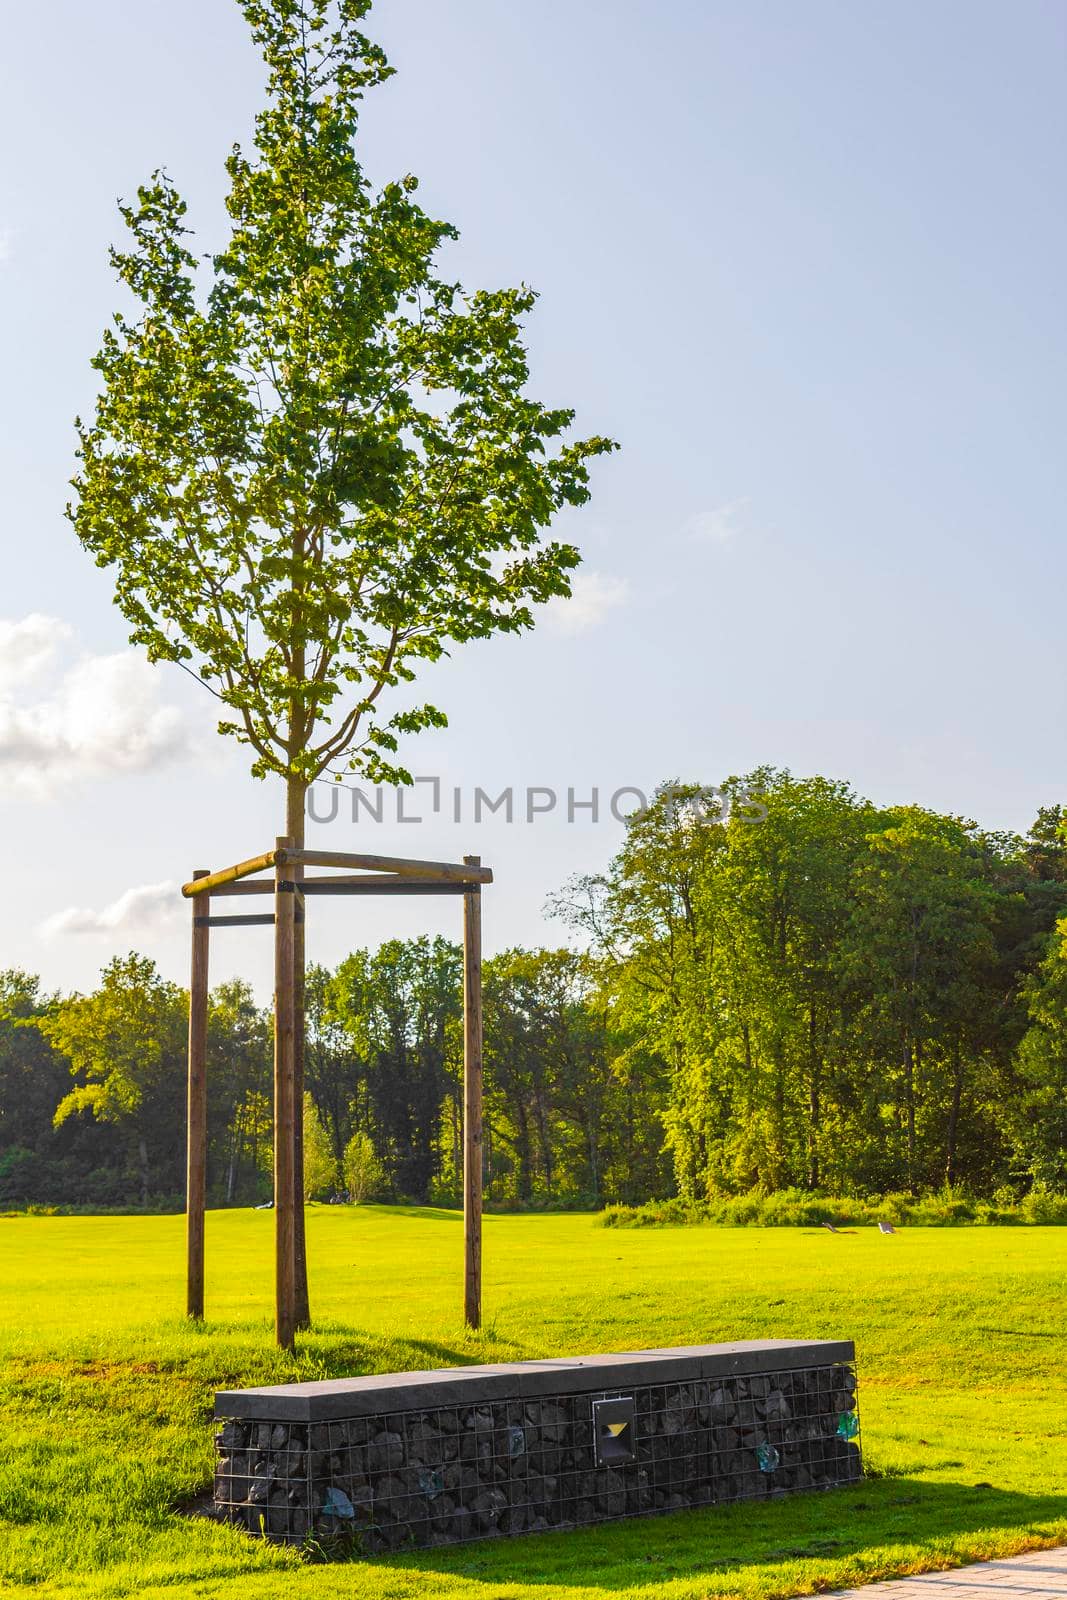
x=452, y=1473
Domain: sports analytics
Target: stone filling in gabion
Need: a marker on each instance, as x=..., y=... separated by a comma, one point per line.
x=454, y=1473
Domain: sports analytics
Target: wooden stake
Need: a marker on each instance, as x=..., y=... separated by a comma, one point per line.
x=284, y=1104
x=472, y=1100
x=196, y=1125
x=301, y=1303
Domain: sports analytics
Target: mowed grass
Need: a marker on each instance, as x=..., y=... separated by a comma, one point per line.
x=107, y=1393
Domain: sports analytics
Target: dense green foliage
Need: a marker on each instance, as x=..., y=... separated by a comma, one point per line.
x=836, y=996
x=798, y=1208
x=824, y=997
x=384, y=1086
x=961, y=1344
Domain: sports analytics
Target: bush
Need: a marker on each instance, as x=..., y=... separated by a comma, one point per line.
x=802, y=1208
x=944, y=1209
x=1044, y=1206
x=444, y=1191
x=653, y=1214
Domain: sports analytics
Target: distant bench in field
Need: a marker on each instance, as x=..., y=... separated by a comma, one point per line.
x=429, y=1458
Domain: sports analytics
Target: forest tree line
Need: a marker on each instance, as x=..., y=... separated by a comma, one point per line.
x=811, y=992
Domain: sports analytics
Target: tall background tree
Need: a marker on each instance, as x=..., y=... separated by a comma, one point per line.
x=1037, y=1112
x=401, y=1009
x=838, y=996
x=125, y=1045
x=316, y=471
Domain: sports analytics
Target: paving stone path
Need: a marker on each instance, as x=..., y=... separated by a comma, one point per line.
x=1041, y=1575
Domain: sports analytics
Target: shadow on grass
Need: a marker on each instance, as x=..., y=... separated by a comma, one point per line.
x=348, y=1354
x=862, y=1529
x=418, y=1213
x=352, y=1358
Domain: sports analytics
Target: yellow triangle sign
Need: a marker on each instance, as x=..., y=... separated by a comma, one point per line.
x=615, y=1428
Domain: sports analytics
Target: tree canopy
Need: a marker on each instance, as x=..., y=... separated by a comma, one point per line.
x=314, y=464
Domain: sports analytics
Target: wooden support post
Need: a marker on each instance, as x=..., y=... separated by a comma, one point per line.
x=472, y=1100
x=300, y=1279
x=284, y=1104
x=196, y=1111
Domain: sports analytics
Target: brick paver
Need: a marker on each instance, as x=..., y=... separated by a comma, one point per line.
x=1041, y=1575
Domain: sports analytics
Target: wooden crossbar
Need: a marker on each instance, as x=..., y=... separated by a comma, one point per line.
x=246, y=886
x=449, y=871
x=384, y=885
x=263, y=919
x=351, y=883
x=229, y=880
x=215, y=880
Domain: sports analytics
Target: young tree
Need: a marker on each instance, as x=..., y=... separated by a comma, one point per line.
x=125, y=1042
x=334, y=1072
x=322, y=472
x=239, y=1045
x=320, y=1163
x=361, y=1169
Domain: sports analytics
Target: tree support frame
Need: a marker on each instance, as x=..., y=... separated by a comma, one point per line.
x=366, y=875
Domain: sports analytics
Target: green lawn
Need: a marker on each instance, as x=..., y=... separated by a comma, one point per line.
x=961, y=1338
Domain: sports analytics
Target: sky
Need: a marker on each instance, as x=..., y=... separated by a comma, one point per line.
x=805, y=263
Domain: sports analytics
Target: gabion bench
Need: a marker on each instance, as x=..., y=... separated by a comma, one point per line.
x=430, y=1458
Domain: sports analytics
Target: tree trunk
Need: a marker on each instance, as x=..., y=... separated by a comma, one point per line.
x=457, y=1142
x=593, y=1145
x=235, y=1157
x=544, y=1139
x=781, y=1153
x=909, y=1108
x=522, y=1144
x=296, y=800
x=142, y=1156
x=954, y=1117
x=487, y=1159
x=913, y=1057
x=814, y=1100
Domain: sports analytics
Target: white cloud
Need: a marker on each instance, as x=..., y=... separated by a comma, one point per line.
x=28, y=646
x=720, y=525
x=593, y=595
x=98, y=717
x=6, y=244
x=149, y=907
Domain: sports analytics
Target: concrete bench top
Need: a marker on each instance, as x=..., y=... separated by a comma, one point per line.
x=377, y=1393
